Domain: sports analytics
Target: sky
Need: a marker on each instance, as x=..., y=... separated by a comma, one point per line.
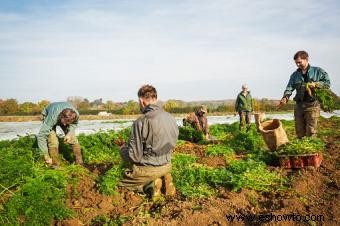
x=188, y=49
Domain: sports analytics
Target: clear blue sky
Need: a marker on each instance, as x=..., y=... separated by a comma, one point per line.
x=187, y=49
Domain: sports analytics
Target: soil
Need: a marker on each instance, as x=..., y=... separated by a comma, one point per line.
x=312, y=192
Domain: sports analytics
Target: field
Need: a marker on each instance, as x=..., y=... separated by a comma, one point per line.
x=236, y=175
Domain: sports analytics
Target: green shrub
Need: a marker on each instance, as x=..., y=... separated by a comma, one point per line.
x=189, y=133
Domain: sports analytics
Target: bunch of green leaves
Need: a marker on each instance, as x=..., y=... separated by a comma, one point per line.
x=326, y=99
x=99, y=147
x=29, y=143
x=189, y=133
x=195, y=180
x=306, y=145
x=221, y=149
x=223, y=131
x=247, y=141
x=190, y=178
x=15, y=165
x=109, y=182
x=253, y=175
x=40, y=200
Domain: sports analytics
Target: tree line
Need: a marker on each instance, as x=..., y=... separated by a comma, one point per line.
x=86, y=107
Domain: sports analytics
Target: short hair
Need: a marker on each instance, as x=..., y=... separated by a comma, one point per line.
x=244, y=86
x=301, y=54
x=147, y=91
x=69, y=115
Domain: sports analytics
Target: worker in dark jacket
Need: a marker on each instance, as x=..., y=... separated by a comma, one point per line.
x=152, y=139
x=244, y=107
x=61, y=114
x=305, y=80
x=198, y=120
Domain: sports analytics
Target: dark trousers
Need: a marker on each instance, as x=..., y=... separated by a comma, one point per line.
x=245, y=118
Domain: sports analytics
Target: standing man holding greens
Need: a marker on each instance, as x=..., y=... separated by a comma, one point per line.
x=152, y=139
x=305, y=80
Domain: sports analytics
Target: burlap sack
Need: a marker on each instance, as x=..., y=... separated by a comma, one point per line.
x=273, y=133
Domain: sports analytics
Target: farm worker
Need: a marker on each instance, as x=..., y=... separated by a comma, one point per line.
x=198, y=120
x=244, y=107
x=307, y=108
x=64, y=115
x=152, y=139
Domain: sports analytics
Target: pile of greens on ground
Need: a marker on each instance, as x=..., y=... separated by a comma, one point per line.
x=306, y=145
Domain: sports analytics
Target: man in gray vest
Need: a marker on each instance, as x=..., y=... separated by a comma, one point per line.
x=152, y=139
x=305, y=80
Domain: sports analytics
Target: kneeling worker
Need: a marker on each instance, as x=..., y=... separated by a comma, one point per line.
x=149, y=148
x=61, y=114
x=198, y=120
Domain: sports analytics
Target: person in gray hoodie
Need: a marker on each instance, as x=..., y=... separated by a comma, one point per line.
x=152, y=139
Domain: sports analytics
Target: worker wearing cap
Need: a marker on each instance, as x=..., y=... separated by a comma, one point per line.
x=244, y=107
x=198, y=120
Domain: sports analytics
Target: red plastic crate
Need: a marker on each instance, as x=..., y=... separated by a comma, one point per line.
x=300, y=161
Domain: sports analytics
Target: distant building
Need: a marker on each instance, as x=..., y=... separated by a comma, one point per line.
x=104, y=113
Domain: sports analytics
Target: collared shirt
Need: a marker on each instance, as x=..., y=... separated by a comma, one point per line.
x=296, y=81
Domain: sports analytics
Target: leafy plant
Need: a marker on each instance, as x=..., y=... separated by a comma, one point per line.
x=248, y=141
x=326, y=99
x=215, y=150
x=40, y=200
x=109, y=182
x=15, y=165
x=195, y=180
x=306, y=145
x=254, y=175
x=101, y=147
x=223, y=131
x=189, y=133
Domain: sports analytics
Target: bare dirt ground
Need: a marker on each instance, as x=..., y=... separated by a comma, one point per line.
x=312, y=192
